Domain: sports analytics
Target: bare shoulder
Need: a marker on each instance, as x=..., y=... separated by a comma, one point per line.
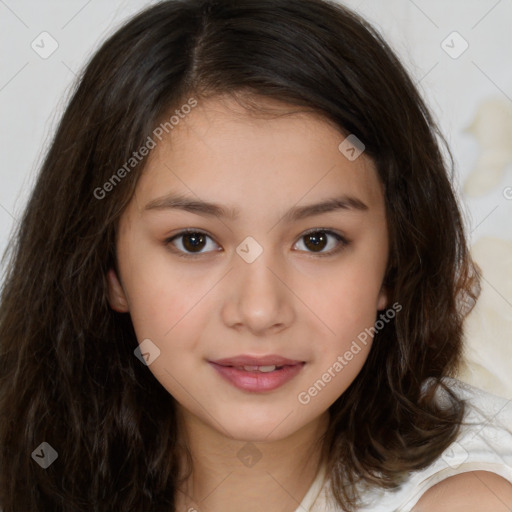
x=474, y=491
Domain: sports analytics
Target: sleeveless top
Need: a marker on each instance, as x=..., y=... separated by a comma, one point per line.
x=484, y=443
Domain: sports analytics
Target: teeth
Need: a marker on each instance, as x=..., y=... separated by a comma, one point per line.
x=259, y=368
x=267, y=368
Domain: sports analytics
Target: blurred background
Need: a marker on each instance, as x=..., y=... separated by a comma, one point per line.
x=459, y=52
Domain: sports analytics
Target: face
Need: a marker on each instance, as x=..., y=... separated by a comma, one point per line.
x=263, y=277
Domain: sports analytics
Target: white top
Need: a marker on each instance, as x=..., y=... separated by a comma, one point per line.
x=484, y=445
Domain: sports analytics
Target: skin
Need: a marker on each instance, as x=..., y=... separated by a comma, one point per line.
x=289, y=301
x=475, y=491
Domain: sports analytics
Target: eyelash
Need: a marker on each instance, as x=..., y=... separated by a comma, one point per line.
x=343, y=242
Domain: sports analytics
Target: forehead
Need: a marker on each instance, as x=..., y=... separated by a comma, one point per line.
x=221, y=150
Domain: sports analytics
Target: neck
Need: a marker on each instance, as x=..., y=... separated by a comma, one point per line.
x=230, y=475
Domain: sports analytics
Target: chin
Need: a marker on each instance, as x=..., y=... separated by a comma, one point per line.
x=261, y=426
x=253, y=434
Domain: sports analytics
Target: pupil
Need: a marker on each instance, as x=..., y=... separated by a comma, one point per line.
x=197, y=241
x=318, y=239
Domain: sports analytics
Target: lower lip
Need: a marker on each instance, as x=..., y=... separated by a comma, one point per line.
x=258, y=381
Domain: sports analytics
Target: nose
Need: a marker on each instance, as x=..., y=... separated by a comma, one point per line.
x=257, y=297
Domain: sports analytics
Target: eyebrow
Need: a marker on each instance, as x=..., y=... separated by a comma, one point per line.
x=204, y=208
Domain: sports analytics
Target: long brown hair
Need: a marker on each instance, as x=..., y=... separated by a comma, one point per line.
x=68, y=375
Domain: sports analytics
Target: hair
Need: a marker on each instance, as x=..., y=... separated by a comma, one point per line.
x=68, y=375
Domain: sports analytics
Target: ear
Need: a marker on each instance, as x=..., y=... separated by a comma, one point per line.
x=382, y=300
x=116, y=296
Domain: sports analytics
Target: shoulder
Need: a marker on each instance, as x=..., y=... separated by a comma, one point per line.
x=479, y=463
x=474, y=473
x=474, y=491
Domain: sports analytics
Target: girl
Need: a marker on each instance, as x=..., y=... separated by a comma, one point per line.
x=240, y=282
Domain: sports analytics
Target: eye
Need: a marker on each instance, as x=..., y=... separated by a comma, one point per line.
x=192, y=242
x=318, y=239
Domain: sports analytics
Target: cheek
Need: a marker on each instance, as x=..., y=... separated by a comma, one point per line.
x=347, y=300
x=345, y=308
x=161, y=308
x=160, y=294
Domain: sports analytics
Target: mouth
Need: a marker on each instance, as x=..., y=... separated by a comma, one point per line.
x=264, y=369
x=254, y=362
x=257, y=377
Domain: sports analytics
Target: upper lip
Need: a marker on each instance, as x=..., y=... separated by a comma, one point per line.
x=245, y=360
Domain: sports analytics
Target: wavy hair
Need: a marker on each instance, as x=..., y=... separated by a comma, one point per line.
x=68, y=375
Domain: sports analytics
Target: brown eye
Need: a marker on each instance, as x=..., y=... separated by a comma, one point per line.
x=194, y=241
x=189, y=242
x=316, y=241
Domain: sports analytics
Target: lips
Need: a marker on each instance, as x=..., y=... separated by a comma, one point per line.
x=245, y=360
x=257, y=374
